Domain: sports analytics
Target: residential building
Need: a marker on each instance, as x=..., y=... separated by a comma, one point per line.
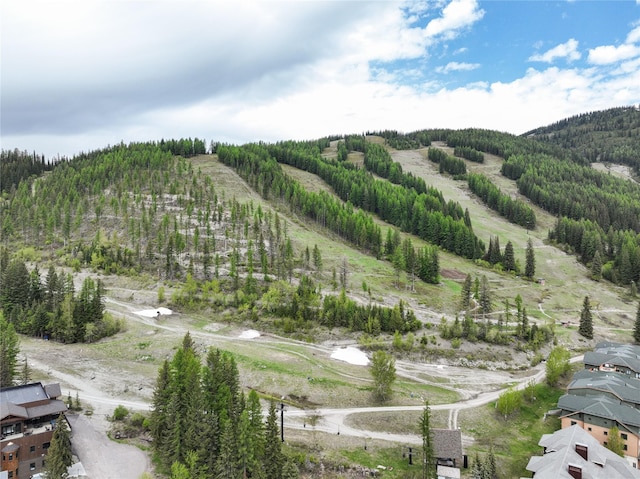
x=572, y=453
x=598, y=415
x=617, y=386
x=27, y=418
x=614, y=357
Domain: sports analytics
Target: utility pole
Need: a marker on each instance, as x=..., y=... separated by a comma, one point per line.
x=282, y=421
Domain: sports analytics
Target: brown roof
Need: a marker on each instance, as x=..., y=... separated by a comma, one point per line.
x=447, y=443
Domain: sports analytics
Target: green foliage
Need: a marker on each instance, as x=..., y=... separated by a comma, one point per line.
x=557, y=365
x=586, y=320
x=9, y=349
x=119, y=413
x=515, y=211
x=428, y=448
x=530, y=264
x=615, y=443
x=202, y=421
x=59, y=455
x=509, y=402
x=383, y=371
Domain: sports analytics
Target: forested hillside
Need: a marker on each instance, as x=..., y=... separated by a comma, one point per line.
x=144, y=209
x=606, y=136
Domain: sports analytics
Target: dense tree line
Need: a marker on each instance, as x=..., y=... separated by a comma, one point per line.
x=606, y=136
x=427, y=214
x=568, y=189
x=512, y=209
x=447, y=163
x=16, y=166
x=52, y=309
x=184, y=147
x=203, y=424
x=469, y=153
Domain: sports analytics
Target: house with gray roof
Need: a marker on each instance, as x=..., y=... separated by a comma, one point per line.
x=616, y=386
x=572, y=453
x=598, y=415
x=28, y=416
x=614, y=357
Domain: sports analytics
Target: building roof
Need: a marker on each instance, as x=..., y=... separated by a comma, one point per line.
x=626, y=355
x=447, y=443
x=30, y=401
x=560, y=453
x=620, y=385
x=602, y=407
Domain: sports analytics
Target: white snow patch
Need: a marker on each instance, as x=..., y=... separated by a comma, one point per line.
x=350, y=355
x=152, y=313
x=250, y=334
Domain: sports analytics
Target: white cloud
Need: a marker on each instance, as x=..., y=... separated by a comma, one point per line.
x=457, y=66
x=634, y=35
x=457, y=15
x=568, y=50
x=608, y=54
x=104, y=72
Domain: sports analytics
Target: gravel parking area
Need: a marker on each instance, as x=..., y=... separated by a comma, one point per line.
x=103, y=458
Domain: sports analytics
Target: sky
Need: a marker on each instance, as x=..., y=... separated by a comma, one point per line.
x=81, y=75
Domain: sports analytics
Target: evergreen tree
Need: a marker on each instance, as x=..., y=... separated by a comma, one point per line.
x=596, y=267
x=530, y=265
x=9, y=349
x=485, y=296
x=636, y=328
x=272, y=451
x=59, y=456
x=509, y=260
x=586, y=321
x=429, y=465
x=466, y=293
x=227, y=463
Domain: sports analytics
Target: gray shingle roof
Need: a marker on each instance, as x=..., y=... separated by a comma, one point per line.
x=602, y=407
x=560, y=453
x=592, y=383
x=626, y=355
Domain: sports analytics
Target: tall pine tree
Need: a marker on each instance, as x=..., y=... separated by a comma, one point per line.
x=59, y=456
x=530, y=265
x=586, y=320
x=428, y=450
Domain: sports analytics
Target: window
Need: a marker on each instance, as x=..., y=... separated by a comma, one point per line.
x=573, y=423
x=11, y=456
x=46, y=445
x=32, y=449
x=624, y=447
x=10, y=475
x=605, y=443
x=589, y=429
x=606, y=433
x=32, y=466
x=623, y=436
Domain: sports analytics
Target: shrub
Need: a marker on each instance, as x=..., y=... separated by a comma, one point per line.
x=120, y=412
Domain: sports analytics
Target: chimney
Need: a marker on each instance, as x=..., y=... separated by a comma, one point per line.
x=583, y=451
x=575, y=472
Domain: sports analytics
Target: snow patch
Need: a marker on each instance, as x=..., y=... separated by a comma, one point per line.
x=153, y=313
x=350, y=355
x=250, y=334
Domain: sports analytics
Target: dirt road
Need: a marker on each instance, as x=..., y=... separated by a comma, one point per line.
x=103, y=458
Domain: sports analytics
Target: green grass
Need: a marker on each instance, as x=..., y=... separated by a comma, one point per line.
x=515, y=440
